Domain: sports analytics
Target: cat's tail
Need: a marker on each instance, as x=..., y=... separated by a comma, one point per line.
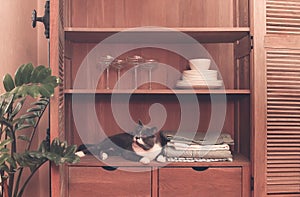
x=86, y=149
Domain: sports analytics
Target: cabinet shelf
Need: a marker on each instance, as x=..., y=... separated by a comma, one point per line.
x=159, y=91
x=161, y=35
x=238, y=160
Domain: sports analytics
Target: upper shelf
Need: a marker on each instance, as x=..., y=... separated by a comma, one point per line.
x=159, y=35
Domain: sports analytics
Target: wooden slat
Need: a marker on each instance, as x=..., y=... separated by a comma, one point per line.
x=283, y=122
x=282, y=17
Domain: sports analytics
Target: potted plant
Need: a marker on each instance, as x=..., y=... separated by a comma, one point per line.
x=19, y=121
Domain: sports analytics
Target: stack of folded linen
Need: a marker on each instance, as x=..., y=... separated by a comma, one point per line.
x=184, y=148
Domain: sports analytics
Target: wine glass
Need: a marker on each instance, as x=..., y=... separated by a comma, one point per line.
x=149, y=65
x=118, y=64
x=105, y=62
x=135, y=61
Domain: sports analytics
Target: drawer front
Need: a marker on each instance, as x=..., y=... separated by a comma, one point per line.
x=202, y=182
x=97, y=181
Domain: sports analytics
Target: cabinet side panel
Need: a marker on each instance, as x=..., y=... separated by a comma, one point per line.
x=282, y=61
x=57, y=102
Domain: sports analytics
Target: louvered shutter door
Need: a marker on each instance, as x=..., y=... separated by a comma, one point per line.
x=58, y=187
x=283, y=97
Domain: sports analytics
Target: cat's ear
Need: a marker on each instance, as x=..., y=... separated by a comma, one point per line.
x=140, y=126
x=140, y=123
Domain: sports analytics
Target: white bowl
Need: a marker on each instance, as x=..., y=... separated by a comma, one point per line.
x=199, y=64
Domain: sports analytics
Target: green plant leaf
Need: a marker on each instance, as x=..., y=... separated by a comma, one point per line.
x=62, y=153
x=4, y=150
x=5, y=142
x=23, y=126
x=53, y=80
x=70, y=150
x=3, y=158
x=46, y=90
x=26, y=73
x=35, y=109
x=24, y=138
x=44, y=146
x=31, y=121
x=21, y=91
x=41, y=102
x=8, y=83
x=43, y=74
x=4, y=167
x=6, y=101
x=29, y=116
x=33, y=91
x=12, y=163
x=18, y=75
x=35, y=73
x=5, y=122
x=17, y=108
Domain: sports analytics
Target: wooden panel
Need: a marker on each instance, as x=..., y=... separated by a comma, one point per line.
x=283, y=128
x=58, y=183
x=283, y=17
x=167, y=13
x=211, y=182
x=242, y=13
x=97, y=181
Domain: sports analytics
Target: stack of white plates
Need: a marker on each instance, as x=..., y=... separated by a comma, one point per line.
x=199, y=76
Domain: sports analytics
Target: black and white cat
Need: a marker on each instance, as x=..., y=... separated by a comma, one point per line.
x=144, y=145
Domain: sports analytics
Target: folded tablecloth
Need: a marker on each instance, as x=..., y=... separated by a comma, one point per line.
x=197, y=138
x=215, y=154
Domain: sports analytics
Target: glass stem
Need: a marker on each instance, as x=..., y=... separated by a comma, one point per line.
x=107, y=78
x=119, y=70
x=135, y=77
x=150, y=79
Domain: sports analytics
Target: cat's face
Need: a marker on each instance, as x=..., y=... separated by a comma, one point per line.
x=145, y=137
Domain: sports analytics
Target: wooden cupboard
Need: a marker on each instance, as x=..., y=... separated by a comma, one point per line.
x=255, y=48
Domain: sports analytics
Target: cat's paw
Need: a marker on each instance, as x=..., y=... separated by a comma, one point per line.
x=103, y=156
x=145, y=160
x=161, y=159
x=80, y=154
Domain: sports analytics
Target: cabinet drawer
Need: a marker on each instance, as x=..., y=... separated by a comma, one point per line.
x=98, y=181
x=203, y=182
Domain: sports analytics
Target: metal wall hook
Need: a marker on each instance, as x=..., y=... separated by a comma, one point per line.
x=45, y=19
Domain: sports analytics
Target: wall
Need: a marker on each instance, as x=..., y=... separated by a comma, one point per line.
x=20, y=43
